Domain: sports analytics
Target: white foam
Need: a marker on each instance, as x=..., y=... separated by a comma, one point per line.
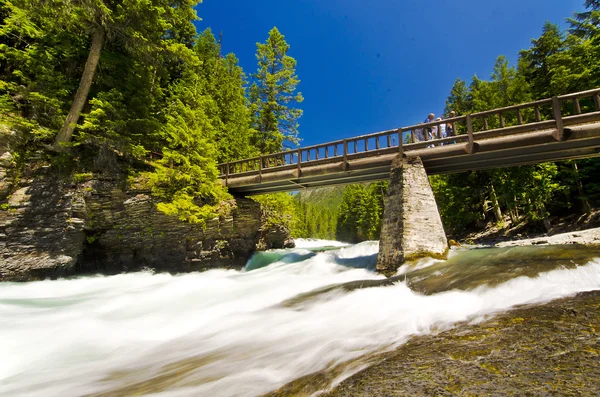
x=69, y=337
x=316, y=243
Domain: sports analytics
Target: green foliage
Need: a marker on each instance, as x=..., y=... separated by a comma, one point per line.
x=272, y=95
x=555, y=64
x=160, y=90
x=317, y=212
x=277, y=208
x=360, y=212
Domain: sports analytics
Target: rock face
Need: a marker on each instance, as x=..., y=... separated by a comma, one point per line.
x=52, y=227
x=126, y=232
x=412, y=227
x=273, y=237
x=41, y=230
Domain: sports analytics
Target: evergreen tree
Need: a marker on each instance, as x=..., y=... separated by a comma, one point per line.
x=272, y=95
x=534, y=63
x=586, y=24
x=459, y=99
x=225, y=84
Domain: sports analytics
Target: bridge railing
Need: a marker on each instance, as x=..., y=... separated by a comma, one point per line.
x=552, y=113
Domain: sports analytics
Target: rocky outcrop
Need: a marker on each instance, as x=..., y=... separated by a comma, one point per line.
x=126, y=232
x=275, y=236
x=41, y=230
x=53, y=227
x=412, y=227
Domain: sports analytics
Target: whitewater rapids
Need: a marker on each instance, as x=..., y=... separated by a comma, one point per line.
x=225, y=332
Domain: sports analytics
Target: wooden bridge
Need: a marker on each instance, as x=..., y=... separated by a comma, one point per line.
x=558, y=128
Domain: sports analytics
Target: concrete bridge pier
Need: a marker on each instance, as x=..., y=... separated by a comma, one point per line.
x=412, y=227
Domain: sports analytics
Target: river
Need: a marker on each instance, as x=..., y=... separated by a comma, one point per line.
x=245, y=333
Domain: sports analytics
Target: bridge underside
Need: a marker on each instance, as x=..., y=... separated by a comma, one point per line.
x=505, y=151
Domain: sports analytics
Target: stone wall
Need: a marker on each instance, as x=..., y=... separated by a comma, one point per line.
x=53, y=227
x=412, y=227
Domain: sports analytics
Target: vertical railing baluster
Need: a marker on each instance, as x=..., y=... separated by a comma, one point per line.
x=355, y=146
x=389, y=141
x=316, y=153
x=335, y=150
x=559, y=134
x=227, y=174
x=377, y=143
x=485, y=123
x=412, y=136
x=538, y=115
x=345, y=164
x=501, y=115
x=326, y=152
x=308, y=155
x=597, y=102
x=471, y=147
x=260, y=162
x=519, y=117
x=299, y=163
x=576, y=106
x=367, y=145
x=400, y=144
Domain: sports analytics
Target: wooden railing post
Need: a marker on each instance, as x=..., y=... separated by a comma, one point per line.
x=299, y=163
x=538, y=116
x=576, y=105
x=471, y=148
x=260, y=167
x=597, y=102
x=227, y=174
x=400, y=144
x=559, y=134
x=345, y=165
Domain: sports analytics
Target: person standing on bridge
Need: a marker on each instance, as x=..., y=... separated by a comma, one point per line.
x=429, y=130
x=441, y=128
x=451, y=127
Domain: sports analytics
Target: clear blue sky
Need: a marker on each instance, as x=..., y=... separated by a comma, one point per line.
x=368, y=66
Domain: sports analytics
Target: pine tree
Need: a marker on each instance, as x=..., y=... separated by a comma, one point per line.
x=535, y=64
x=586, y=24
x=272, y=95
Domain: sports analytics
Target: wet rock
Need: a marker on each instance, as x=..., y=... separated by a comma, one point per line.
x=275, y=237
x=551, y=349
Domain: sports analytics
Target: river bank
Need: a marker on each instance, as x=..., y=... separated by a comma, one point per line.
x=571, y=229
x=553, y=349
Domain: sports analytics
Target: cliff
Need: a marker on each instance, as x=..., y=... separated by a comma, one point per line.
x=52, y=225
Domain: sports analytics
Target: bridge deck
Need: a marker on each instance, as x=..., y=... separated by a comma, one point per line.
x=560, y=128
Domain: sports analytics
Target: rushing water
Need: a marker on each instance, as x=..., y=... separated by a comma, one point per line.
x=230, y=333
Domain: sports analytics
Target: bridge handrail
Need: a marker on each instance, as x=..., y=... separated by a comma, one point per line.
x=295, y=156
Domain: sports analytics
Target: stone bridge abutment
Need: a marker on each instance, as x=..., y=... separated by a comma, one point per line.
x=412, y=227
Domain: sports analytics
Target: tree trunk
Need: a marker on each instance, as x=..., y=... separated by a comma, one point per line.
x=584, y=201
x=87, y=78
x=496, y=205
